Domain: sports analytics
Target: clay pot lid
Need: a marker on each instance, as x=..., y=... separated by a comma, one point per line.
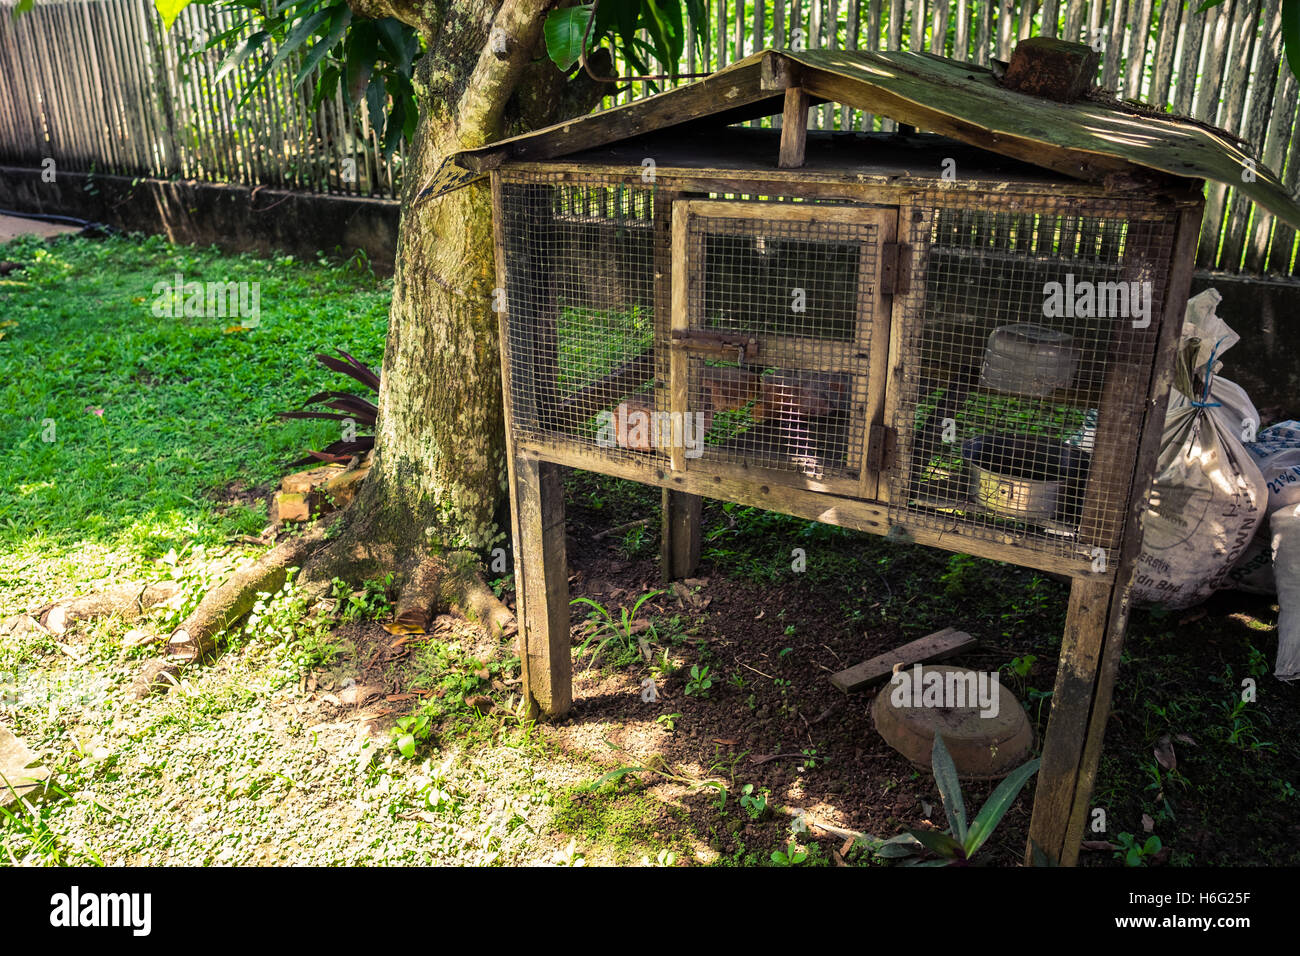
x=984, y=745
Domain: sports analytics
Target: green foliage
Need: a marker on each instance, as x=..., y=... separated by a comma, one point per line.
x=1134, y=853
x=370, y=602
x=31, y=820
x=370, y=60
x=565, y=29
x=570, y=855
x=959, y=844
x=410, y=733
x=755, y=804
x=444, y=668
x=606, y=629
x=700, y=682
x=1021, y=666
x=662, y=22
x=668, y=721
x=790, y=855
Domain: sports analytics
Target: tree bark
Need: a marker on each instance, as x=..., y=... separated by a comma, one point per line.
x=439, y=471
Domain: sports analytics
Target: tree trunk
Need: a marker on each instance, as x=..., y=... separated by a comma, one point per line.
x=440, y=445
x=439, y=470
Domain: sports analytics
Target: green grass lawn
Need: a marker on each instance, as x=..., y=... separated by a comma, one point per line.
x=188, y=407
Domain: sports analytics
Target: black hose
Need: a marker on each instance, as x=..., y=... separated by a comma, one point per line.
x=47, y=217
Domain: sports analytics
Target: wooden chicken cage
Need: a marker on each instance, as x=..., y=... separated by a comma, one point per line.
x=834, y=327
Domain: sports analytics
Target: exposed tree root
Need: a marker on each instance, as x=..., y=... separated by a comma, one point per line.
x=465, y=592
x=128, y=601
x=419, y=594
x=429, y=583
x=223, y=606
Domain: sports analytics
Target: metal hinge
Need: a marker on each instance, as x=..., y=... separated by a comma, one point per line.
x=895, y=268
x=881, y=441
x=744, y=348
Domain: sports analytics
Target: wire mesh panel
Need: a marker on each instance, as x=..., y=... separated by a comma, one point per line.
x=580, y=335
x=1027, y=344
x=777, y=333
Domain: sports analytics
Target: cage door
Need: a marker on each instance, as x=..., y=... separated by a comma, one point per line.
x=779, y=341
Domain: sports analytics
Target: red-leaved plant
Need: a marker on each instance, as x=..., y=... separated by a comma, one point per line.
x=347, y=407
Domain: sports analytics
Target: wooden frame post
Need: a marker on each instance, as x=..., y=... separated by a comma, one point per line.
x=794, y=128
x=542, y=585
x=680, y=542
x=536, y=491
x=1098, y=610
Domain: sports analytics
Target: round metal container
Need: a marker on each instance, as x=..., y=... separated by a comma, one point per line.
x=1022, y=476
x=983, y=746
x=1027, y=359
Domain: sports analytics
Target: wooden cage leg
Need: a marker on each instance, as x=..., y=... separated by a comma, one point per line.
x=680, y=541
x=542, y=586
x=1085, y=680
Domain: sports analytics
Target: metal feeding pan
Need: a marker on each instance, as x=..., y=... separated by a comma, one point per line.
x=1023, y=476
x=1027, y=359
x=983, y=744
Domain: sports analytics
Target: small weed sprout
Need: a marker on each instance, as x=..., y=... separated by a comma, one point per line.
x=1134, y=853
x=755, y=804
x=1020, y=666
x=410, y=733
x=668, y=721
x=608, y=629
x=792, y=855
x=700, y=682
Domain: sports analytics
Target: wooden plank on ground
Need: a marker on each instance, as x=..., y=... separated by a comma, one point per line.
x=932, y=647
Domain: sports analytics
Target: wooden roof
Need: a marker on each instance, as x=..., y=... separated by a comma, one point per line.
x=1086, y=140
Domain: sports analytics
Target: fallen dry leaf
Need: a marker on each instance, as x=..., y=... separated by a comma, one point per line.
x=1100, y=846
x=1147, y=823
x=357, y=694
x=726, y=741
x=395, y=698
x=1164, y=751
